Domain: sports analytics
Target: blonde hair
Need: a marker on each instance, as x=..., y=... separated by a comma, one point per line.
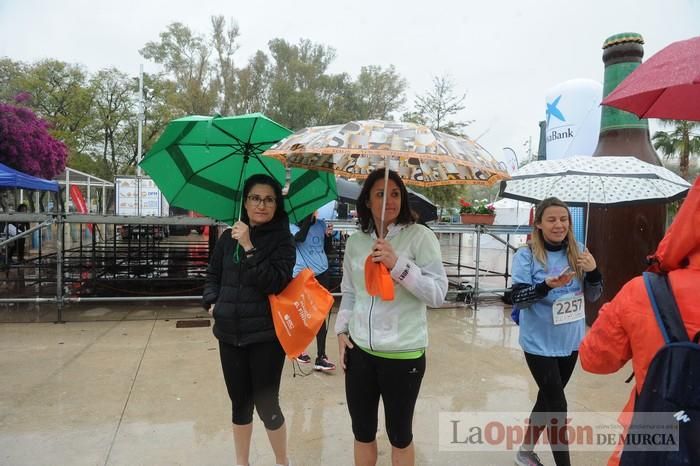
x=537, y=243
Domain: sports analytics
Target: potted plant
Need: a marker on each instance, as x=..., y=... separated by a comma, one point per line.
x=477, y=212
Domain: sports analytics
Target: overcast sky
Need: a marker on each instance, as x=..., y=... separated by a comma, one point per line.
x=504, y=54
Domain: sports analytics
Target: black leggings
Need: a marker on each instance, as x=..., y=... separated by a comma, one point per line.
x=323, y=279
x=551, y=374
x=397, y=381
x=252, y=374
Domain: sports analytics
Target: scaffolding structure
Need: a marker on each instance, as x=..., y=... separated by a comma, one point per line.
x=94, y=258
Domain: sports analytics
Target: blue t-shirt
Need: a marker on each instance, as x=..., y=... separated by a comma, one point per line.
x=310, y=253
x=538, y=334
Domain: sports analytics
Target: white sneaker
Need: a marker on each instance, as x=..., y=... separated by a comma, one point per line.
x=527, y=458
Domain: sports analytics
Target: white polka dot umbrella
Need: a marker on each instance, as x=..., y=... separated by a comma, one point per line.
x=600, y=181
x=595, y=180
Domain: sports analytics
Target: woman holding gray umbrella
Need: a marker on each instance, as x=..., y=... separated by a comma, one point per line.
x=551, y=278
x=256, y=259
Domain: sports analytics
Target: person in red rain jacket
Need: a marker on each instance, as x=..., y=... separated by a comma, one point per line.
x=626, y=327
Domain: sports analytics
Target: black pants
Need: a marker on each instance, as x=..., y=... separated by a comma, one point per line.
x=252, y=374
x=16, y=246
x=551, y=375
x=323, y=279
x=20, y=249
x=396, y=381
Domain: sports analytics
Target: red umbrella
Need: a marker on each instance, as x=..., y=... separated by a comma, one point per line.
x=665, y=86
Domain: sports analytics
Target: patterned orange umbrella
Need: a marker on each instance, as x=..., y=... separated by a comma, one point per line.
x=420, y=155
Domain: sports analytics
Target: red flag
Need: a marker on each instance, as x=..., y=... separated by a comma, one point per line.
x=79, y=202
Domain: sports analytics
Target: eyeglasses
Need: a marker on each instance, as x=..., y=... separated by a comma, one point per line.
x=257, y=201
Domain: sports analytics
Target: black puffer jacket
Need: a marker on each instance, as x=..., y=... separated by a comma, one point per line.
x=239, y=289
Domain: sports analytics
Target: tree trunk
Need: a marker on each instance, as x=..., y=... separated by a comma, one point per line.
x=685, y=152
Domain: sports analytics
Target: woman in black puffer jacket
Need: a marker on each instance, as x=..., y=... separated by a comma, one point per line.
x=252, y=260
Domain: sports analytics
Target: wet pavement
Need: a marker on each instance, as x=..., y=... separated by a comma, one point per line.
x=121, y=385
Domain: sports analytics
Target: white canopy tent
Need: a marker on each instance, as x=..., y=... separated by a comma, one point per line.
x=510, y=212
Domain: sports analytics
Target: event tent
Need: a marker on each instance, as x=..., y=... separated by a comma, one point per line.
x=11, y=178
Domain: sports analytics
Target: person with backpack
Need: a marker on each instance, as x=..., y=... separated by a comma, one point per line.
x=628, y=328
x=551, y=278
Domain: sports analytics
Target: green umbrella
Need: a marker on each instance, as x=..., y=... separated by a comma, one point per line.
x=201, y=163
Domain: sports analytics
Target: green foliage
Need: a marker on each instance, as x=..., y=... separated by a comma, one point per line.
x=187, y=56
x=436, y=106
x=683, y=141
x=476, y=206
x=447, y=197
x=290, y=82
x=224, y=44
x=60, y=93
x=299, y=83
x=10, y=73
x=379, y=92
x=95, y=114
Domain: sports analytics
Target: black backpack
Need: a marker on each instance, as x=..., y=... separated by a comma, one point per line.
x=672, y=386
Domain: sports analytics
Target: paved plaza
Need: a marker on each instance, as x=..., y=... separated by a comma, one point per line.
x=122, y=385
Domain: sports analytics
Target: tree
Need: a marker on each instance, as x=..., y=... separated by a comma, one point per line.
x=113, y=106
x=297, y=82
x=437, y=105
x=253, y=85
x=681, y=141
x=10, y=73
x=225, y=46
x=160, y=106
x=187, y=57
x=60, y=93
x=26, y=145
x=379, y=92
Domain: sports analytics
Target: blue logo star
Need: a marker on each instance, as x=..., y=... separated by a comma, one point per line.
x=552, y=110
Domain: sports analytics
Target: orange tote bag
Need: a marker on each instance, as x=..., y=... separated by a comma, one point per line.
x=298, y=312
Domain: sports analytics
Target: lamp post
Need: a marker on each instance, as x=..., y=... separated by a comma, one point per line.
x=139, y=142
x=515, y=157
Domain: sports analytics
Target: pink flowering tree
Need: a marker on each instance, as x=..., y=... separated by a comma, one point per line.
x=26, y=145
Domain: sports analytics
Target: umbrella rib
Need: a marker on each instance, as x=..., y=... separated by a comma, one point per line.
x=653, y=101
x=557, y=179
x=247, y=144
x=250, y=133
x=442, y=157
x=193, y=177
x=233, y=136
x=659, y=190
x=582, y=173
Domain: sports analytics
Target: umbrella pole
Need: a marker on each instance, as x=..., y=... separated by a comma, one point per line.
x=236, y=254
x=585, y=233
x=238, y=189
x=588, y=215
x=386, y=186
